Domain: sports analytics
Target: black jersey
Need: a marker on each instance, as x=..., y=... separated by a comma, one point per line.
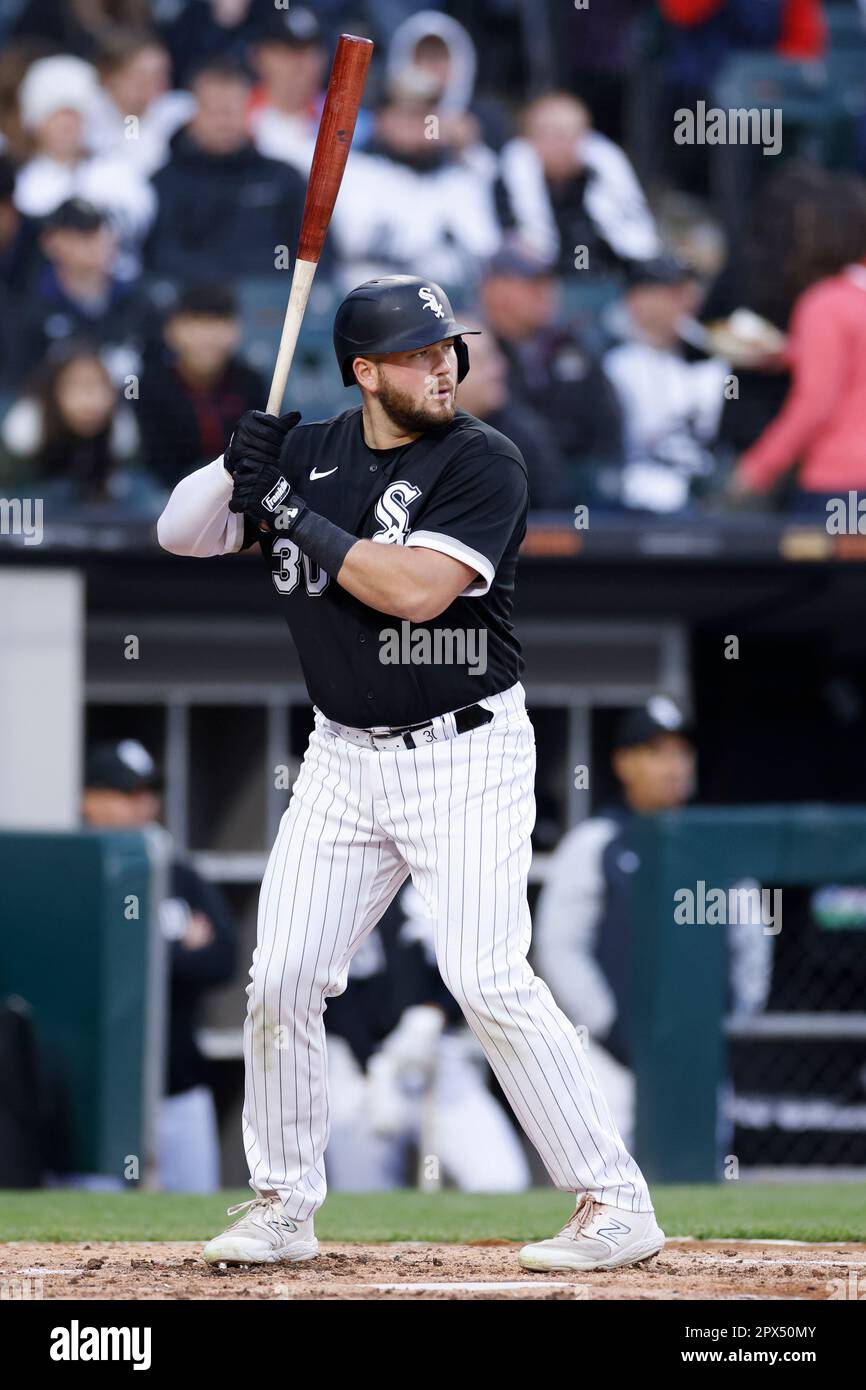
x=460, y=488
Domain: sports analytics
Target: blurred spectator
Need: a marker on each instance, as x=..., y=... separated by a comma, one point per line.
x=583, y=927
x=671, y=393
x=821, y=429
x=192, y=397
x=411, y=203
x=224, y=209
x=594, y=196
x=70, y=440
x=122, y=792
x=440, y=46
x=133, y=115
x=207, y=29
x=78, y=294
x=54, y=99
x=15, y=59
x=485, y=394
x=822, y=213
x=79, y=26
x=290, y=59
x=549, y=366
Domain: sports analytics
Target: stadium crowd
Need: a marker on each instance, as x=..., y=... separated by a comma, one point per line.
x=671, y=326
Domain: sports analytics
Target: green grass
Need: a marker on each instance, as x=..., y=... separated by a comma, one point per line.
x=802, y=1212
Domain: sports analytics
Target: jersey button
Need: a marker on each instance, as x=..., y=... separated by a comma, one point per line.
x=362, y=637
x=374, y=467
x=370, y=695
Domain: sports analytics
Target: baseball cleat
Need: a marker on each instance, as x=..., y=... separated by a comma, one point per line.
x=264, y=1235
x=597, y=1236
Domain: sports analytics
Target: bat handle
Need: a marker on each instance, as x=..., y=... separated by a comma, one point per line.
x=302, y=280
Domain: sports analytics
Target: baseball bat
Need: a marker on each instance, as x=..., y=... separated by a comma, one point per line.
x=333, y=142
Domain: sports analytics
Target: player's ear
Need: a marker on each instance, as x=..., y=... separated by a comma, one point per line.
x=366, y=373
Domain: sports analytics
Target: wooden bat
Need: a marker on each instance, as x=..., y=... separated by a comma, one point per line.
x=333, y=142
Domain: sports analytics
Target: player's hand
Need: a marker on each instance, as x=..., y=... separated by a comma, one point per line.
x=258, y=438
x=262, y=492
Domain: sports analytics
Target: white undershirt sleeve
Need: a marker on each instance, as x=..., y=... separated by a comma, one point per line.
x=197, y=520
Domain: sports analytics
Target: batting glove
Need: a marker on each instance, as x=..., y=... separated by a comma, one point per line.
x=258, y=437
x=265, y=495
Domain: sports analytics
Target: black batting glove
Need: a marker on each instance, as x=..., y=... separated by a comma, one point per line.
x=265, y=495
x=258, y=437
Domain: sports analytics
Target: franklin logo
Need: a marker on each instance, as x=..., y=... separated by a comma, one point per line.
x=77, y=1343
x=272, y=499
x=431, y=302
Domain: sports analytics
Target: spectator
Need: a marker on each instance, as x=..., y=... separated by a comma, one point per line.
x=439, y=45
x=122, y=792
x=822, y=212
x=594, y=196
x=54, y=99
x=133, y=115
x=224, y=209
x=549, y=366
x=593, y=55
x=192, y=397
x=583, y=926
x=821, y=429
x=290, y=59
x=70, y=440
x=410, y=200
x=671, y=394
x=78, y=294
x=485, y=394
x=212, y=29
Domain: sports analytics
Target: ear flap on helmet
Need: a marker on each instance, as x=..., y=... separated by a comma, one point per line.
x=462, y=352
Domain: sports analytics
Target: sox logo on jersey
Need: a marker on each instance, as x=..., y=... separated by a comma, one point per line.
x=392, y=513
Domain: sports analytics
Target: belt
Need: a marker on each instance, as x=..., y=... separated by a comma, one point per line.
x=444, y=726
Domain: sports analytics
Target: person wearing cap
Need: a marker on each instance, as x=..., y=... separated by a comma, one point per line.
x=78, y=296
x=670, y=390
x=55, y=98
x=582, y=924
x=224, y=209
x=122, y=792
x=550, y=367
x=290, y=60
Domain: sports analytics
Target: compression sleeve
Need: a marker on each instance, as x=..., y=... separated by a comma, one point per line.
x=197, y=520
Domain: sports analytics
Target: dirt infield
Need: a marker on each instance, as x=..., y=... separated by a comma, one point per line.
x=174, y=1270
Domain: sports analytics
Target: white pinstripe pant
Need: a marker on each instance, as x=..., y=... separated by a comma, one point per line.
x=458, y=815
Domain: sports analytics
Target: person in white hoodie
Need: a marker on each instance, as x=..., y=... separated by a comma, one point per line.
x=55, y=98
x=133, y=114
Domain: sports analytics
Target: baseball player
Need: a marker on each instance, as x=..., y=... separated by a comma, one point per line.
x=391, y=535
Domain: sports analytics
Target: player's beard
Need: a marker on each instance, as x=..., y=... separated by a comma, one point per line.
x=410, y=415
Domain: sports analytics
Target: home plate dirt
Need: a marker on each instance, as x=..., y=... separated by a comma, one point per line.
x=173, y=1270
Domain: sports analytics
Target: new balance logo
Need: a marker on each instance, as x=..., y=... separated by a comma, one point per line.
x=613, y=1231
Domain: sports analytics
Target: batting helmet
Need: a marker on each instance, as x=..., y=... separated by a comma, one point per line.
x=394, y=314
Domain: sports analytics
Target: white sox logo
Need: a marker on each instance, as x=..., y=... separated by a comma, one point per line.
x=431, y=302
x=392, y=513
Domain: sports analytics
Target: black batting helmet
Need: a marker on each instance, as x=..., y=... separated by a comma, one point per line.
x=394, y=314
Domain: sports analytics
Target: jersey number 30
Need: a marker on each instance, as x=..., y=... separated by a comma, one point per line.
x=287, y=570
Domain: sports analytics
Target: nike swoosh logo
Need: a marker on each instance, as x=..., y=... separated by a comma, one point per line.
x=316, y=474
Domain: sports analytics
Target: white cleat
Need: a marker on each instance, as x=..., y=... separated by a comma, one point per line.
x=264, y=1235
x=597, y=1236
